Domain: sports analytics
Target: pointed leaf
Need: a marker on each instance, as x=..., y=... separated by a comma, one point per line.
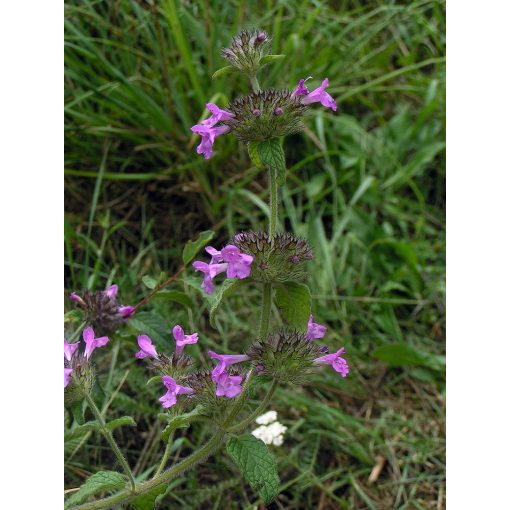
x=256, y=463
x=254, y=154
x=294, y=301
x=271, y=155
x=193, y=247
x=181, y=422
x=98, y=482
x=267, y=59
x=80, y=430
x=121, y=422
x=174, y=295
x=223, y=71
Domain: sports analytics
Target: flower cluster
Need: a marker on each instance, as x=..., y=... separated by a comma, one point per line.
x=229, y=259
x=227, y=385
x=78, y=373
x=279, y=258
x=261, y=115
x=270, y=431
x=247, y=49
x=103, y=310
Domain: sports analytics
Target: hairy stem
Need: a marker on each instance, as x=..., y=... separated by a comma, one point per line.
x=164, y=460
x=273, y=201
x=254, y=83
x=111, y=441
x=257, y=412
x=266, y=310
x=123, y=497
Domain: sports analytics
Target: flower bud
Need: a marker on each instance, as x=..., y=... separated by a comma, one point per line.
x=286, y=355
x=103, y=311
x=246, y=50
x=278, y=259
x=265, y=114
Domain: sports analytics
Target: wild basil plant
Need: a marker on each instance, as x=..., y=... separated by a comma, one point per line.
x=272, y=261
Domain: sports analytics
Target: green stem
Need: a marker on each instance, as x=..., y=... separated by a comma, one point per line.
x=273, y=201
x=254, y=83
x=164, y=460
x=122, y=497
x=111, y=441
x=266, y=310
x=257, y=412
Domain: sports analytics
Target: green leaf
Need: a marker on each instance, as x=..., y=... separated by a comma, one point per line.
x=77, y=411
x=254, y=154
x=98, y=482
x=80, y=430
x=271, y=154
x=149, y=281
x=148, y=501
x=294, y=301
x=174, y=295
x=120, y=422
x=227, y=288
x=400, y=355
x=152, y=324
x=181, y=422
x=267, y=59
x=223, y=71
x=256, y=463
x=193, y=247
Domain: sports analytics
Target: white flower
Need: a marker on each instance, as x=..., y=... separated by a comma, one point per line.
x=267, y=418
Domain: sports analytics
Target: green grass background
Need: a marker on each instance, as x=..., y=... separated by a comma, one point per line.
x=365, y=186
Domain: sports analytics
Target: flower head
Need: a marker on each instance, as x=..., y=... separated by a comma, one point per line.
x=336, y=361
x=271, y=433
x=267, y=418
x=315, y=330
x=318, y=95
x=146, y=348
x=247, y=49
x=208, y=134
x=181, y=339
x=225, y=360
x=91, y=342
x=173, y=389
x=228, y=385
x=69, y=349
x=67, y=376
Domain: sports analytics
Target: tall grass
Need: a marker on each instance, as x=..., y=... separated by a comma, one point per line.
x=365, y=186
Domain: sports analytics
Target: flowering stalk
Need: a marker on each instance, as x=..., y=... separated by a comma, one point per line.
x=111, y=441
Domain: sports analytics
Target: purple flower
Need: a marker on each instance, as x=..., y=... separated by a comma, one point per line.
x=126, y=311
x=77, y=299
x=238, y=263
x=210, y=271
x=181, y=339
x=228, y=385
x=67, y=376
x=208, y=134
x=146, y=348
x=319, y=95
x=336, y=361
x=170, y=397
x=69, y=349
x=301, y=89
x=111, y=291
x=91, y=342
x=214, y=253
x=217, y=115
x=315, y=330
x=225, y=360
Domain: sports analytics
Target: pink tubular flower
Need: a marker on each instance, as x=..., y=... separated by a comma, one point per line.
x=126, y=311
x=214, y=253
x=170, y=397
x=210, y=271
x=319, y=95
x=67, y=376
x=69, y=349
x=228, y=385
x=146, y=348
x=111, y=291
x=315, y=330
x=238, y=263
x=217, y=115
x=336, y=361
x=208, y=134
x=301, y=89
x=91, y=342
x=77, y=299
x=225, y=360
x=181, y=339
